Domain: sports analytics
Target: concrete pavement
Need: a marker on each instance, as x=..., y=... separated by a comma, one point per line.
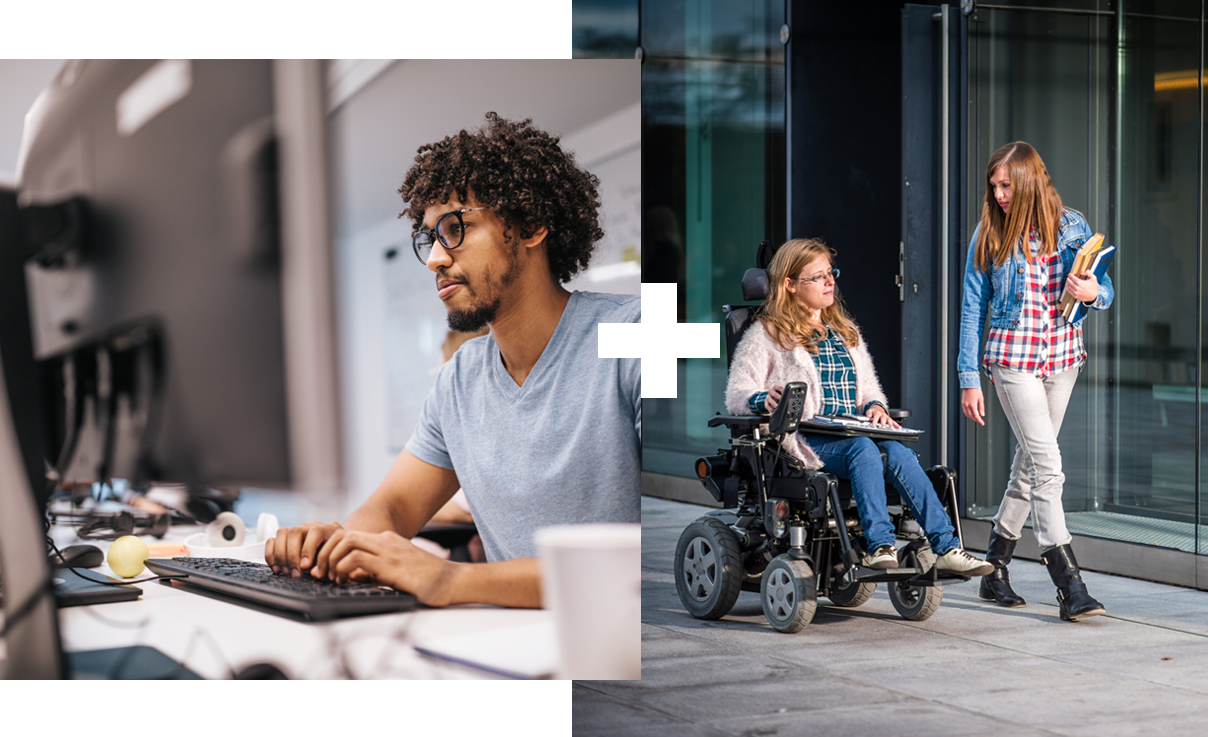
x=972, y=669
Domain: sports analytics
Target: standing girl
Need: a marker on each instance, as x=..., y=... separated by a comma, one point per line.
x=1018, y=266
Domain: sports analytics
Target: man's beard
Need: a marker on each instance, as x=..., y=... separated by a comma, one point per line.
x=473, y=319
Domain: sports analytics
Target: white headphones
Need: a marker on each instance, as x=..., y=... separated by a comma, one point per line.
x=226, y=531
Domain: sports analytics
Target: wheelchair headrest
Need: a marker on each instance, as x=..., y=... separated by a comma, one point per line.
x=755, y=285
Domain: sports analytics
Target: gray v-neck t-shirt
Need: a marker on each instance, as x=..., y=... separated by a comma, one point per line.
x=565, y=448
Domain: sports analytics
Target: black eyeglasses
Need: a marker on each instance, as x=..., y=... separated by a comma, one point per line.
x=832, y=274
x=449, y=230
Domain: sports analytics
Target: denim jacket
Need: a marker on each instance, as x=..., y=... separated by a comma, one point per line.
x=1000, y=293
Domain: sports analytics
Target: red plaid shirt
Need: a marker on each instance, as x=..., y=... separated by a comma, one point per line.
x=1042, y=342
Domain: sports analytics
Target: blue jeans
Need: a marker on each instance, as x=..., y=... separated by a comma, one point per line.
x=859, y=460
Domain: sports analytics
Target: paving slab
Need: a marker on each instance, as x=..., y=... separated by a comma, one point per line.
x=972, y=669
x=599, y=713
x=1079, y=705
x=779, y=690
x=902, y=719
x=1181, y=666
x=983, y=677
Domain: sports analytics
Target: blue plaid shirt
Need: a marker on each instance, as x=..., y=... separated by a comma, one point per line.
x=837, y=375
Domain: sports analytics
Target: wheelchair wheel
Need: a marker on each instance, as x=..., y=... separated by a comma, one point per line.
x=789, y=594
x=708, y=568
x=916, y=603
x=852, y=594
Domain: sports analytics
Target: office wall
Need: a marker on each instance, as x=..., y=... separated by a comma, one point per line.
x=392, y=323
x=20, y=82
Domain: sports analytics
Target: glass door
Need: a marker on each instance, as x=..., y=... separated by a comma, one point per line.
x=1109, y=94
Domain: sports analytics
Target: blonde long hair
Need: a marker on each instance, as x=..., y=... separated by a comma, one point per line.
x=787, y=322
x=1034, y=202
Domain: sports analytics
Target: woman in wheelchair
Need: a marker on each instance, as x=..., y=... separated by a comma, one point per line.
x=804, y=333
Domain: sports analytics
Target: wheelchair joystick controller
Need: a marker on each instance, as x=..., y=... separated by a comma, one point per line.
x=788, y=413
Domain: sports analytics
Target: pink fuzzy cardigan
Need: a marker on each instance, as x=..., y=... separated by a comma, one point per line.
x=760, y=364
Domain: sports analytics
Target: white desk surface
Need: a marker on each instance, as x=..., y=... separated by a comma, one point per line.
x=215, y=638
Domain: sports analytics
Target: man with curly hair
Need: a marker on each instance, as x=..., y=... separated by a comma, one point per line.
x=535, y=427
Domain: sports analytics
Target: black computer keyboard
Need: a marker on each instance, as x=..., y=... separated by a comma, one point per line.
x=255, y=583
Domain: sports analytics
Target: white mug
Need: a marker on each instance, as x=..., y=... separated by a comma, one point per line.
x=591, y=579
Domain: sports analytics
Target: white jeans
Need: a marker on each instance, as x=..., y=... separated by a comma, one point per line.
x=1035, y=408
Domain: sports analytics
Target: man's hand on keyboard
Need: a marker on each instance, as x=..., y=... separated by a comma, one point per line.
x=385, y=558
x=294, y=549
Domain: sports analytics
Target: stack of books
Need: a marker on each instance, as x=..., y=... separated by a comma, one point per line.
x=1093, y=257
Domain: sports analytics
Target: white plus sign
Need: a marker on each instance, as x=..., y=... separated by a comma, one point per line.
x=659, y=340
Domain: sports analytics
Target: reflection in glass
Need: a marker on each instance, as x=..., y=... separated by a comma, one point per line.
x=712, y=186
x=604, y=29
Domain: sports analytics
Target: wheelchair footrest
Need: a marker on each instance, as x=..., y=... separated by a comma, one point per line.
x=954, y=576
x=883, y=575
x=915, y=576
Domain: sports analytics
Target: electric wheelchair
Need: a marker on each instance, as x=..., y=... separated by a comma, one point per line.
x=790, y=533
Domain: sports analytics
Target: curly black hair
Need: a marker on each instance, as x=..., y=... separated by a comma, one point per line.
x=521, y=174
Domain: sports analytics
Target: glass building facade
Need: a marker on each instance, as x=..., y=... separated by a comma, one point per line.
x=713, y=188
x=713, y=174
x=1111, y=93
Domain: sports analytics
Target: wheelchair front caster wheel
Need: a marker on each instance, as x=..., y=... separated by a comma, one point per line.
x=789, y=594
x=852, y=594
x=708, y=568
x=916, y=603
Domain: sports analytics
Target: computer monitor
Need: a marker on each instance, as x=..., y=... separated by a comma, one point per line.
x=174, y=233
x=30, y=627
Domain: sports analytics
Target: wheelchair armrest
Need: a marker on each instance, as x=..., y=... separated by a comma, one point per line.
x=781, y=422
x=741, y=422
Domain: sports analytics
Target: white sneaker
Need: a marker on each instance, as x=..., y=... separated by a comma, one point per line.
x=883, y=558
x=958, y=561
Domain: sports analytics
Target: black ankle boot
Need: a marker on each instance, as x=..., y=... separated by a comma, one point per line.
x=1071, y=591
x=996, y=587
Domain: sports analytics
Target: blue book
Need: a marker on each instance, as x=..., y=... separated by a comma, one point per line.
x=1103, y=259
